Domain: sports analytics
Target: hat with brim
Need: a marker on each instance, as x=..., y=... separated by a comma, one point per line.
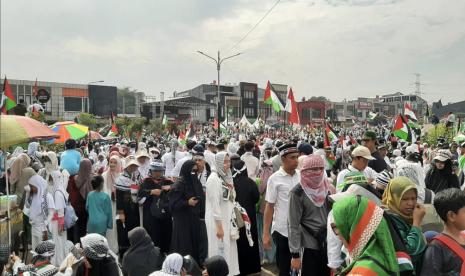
x=362, y=151
x=130, y=161
x=442, y=155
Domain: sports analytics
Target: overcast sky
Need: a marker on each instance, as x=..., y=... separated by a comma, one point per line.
x=336, y=48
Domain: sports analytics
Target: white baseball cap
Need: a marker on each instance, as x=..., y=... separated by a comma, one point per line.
x=362, y=151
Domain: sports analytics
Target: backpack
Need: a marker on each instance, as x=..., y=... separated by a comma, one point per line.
x=454, y=247
x=70, y=214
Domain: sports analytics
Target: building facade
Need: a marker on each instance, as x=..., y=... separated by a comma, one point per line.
x=66, y=100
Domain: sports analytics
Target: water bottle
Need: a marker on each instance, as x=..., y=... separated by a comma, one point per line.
x=294, y=272
x=221, y=248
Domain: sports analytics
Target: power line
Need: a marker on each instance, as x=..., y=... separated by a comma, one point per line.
x=255, y=26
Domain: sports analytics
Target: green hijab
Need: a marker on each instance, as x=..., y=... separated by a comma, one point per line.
x=360, y=222
x=394, y=192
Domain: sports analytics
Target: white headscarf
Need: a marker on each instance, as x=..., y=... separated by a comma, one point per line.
x=171, y=266
x=219, y=167
x=415, y=173
x=59, y=187
x=40, y=203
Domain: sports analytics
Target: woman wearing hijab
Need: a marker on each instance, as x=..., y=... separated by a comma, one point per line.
x=187, y=203
x=400, y=198
x=56, y=181
x=173, y=265
x=216, y=266
x=110, y=176
x=41, y=209
x=98, y=258
x=142, y=257
x=360, y=225
x=78, y=190
x=308, y=213
x=156, y=215
x=127, y=204
x=247, y=195
x=441, y=176
x=60, y=197
x=17, y=166
x=219, y=213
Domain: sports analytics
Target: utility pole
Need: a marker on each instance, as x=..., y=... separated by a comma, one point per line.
x=218, y=62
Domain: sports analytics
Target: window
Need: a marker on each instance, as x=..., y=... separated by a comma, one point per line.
x=249, y=112
x=73, y=103
x=248, y=94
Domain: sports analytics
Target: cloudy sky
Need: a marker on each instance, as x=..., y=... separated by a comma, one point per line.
x=336, y=48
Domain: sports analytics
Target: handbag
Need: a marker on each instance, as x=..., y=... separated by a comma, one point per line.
x=157, y=209
x=239, y=220
x=70, y=214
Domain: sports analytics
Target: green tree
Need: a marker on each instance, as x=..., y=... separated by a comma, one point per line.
x=126, y=98
x=439, y=130
x=87, y=120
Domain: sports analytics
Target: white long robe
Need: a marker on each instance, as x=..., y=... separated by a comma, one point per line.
x=218, y=209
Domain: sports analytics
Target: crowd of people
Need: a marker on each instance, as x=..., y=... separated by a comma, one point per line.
x=372, y=205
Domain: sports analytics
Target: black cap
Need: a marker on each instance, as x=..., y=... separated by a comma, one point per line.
x=288, y=148
x=305, y=148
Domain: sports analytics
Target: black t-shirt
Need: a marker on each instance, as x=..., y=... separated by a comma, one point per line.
x=379, y=164
x=440, y=260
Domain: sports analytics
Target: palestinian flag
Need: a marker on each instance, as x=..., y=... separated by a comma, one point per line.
x=401, y=129
x=331, y=159
x=330, y=132
x=7, y=101
x=114, y=129
x=291, y=107
x=412, y=120
x=352, y=140
x=190, y=131
x=271, y=98
x=182, y=138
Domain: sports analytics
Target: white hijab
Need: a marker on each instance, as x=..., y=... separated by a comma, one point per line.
x=40, y=202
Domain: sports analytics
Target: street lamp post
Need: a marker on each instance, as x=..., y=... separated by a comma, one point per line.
x=218, y=62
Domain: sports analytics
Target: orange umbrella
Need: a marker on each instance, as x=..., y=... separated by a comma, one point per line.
x=94, y=135
x=19, y=129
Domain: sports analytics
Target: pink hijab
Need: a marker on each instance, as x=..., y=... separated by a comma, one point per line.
x=110, y=176
x=314, y=182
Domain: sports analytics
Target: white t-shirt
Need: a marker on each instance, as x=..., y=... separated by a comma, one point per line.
x=167, y=160
x=279, y=185
x=178, y=166
x=368, y=172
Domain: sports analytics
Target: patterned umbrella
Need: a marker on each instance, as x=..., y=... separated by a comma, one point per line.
x=19, y=129
x=67, y=130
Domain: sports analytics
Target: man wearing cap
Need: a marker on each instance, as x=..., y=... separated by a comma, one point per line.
x=440, y=176
x=377, y=163
x=360, y=158
x=277, y=206
x=156, y=216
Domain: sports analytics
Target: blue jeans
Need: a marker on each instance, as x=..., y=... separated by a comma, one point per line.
x=269, y=255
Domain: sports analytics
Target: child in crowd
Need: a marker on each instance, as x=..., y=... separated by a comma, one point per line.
x=98, y=206
x=446, y=253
